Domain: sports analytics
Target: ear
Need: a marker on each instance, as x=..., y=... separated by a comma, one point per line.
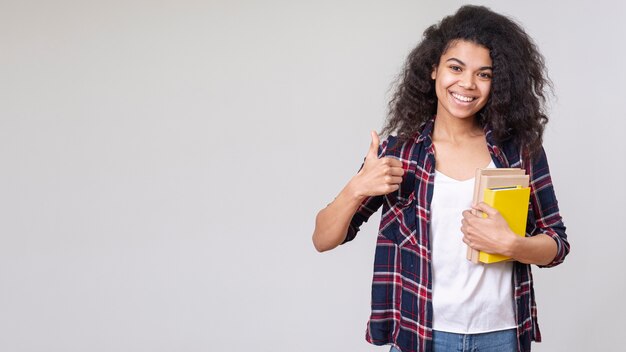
x=433, y=74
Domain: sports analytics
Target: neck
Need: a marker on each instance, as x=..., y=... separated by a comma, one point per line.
x=453, y=129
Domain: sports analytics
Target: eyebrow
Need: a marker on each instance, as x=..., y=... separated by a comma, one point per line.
x=463, y=63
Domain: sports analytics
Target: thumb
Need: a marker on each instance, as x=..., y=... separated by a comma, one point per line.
x=373, y=151
x=485, y=208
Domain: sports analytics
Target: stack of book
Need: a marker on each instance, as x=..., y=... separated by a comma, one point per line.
x=507, y=190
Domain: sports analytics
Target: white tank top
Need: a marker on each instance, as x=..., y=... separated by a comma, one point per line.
x=468, y=298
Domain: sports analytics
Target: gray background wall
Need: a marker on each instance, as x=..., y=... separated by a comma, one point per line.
x=162, y=163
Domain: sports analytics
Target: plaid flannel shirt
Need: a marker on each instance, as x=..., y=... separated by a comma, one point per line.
x=402, y=312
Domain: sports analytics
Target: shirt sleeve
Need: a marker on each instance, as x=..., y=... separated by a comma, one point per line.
x=368, y=207
x=545, y=207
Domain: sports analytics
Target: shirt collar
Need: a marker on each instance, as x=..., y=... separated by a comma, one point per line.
x=498, y=156
x=425, y=135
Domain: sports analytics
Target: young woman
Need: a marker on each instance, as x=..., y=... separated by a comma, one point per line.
x=471, y=96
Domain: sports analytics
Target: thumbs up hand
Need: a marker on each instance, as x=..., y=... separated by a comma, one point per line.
x=378, y=176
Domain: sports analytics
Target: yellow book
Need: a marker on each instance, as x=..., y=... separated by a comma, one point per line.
x=512, y=203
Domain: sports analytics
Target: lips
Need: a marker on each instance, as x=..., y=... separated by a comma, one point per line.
x=462, y=98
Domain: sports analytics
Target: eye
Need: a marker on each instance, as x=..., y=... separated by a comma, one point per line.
x=485, y=75
x=455, y=68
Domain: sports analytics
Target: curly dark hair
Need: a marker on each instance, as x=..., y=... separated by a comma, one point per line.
x=516, y=106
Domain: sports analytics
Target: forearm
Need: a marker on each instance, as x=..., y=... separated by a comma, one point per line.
x=540, y=249
x=331, y=223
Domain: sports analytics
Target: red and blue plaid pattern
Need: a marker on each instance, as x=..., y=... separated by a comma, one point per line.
x=402, y=312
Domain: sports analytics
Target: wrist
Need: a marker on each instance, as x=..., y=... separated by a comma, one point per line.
x=514, y=246
x=353, y=190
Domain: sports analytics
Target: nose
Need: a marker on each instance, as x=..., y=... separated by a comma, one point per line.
x=467, y=82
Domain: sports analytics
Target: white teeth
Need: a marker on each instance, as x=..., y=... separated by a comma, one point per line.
x=462, y=98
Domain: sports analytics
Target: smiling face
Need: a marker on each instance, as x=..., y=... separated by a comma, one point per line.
x=462, y=80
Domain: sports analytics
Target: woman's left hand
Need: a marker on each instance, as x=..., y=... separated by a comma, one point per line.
x=491, y=234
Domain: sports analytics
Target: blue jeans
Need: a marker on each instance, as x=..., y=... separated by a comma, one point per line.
x=496, y=341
